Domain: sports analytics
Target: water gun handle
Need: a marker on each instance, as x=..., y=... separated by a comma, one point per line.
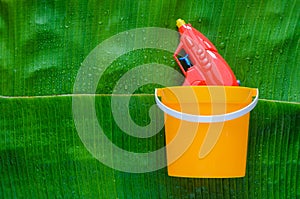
x=193, y=78
x=199, y=59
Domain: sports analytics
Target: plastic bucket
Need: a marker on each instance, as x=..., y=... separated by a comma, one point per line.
x=206, y=129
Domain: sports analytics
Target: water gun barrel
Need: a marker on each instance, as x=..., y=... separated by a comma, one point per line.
x=199, y=59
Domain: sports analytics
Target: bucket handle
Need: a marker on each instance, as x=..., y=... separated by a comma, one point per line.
x=207, y=118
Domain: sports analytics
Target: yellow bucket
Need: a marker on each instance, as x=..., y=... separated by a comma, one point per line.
x=206, y=129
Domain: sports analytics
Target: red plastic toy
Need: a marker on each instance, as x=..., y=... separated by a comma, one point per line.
x=199, y=59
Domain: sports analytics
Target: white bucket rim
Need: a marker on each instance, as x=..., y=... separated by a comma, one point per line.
x=206, y=118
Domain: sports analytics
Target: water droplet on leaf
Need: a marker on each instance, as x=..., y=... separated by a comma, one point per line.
x=222, y=45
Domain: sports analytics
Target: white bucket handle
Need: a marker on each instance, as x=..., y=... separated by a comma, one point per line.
x=206, y=118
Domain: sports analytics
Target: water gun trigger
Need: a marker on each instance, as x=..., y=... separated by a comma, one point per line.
x=175, y=55
x=186, y=60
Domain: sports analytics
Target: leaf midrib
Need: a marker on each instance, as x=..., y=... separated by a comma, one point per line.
x=120, y=95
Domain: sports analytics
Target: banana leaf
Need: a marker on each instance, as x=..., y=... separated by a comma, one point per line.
x=42, y=47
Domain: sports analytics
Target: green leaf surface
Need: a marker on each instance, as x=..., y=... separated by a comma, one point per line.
x=43, y=44
x=42, y=155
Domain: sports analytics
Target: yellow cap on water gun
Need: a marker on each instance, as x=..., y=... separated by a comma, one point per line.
x=179, y=23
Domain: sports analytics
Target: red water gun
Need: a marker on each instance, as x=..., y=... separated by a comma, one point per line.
x=199, y=59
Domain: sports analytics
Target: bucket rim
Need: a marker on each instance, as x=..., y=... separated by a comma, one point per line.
x=245, y=92
x=207, y=118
